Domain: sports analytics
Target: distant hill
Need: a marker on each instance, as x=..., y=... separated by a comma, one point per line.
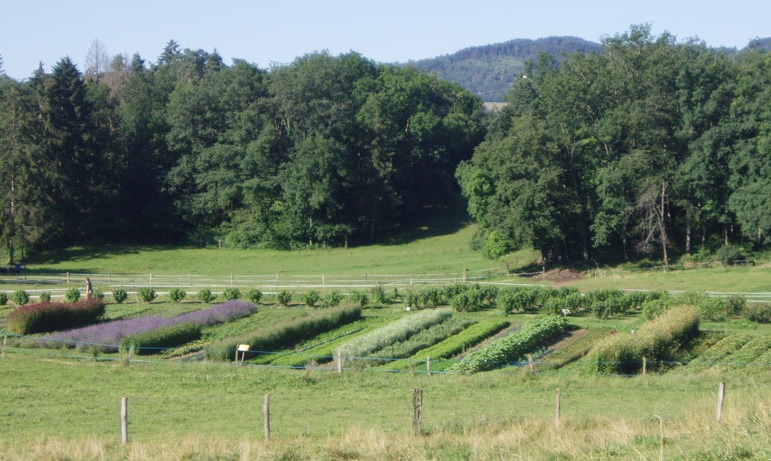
x=489, y=70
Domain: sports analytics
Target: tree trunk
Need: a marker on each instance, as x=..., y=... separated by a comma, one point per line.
x=688, y=238
x=662, y=226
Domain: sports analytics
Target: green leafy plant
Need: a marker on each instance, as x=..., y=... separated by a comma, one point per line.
x=72, y=295
x=120, y=295
x=147, y=294
x=311, y=298
x=284, y=297
x=177, y=295
x=254, y=295
x=3, y=299
x=45, y=297
x=332, y=299
x=205, y=295
x=360, y=298
x=20, y=297
x=231, y=293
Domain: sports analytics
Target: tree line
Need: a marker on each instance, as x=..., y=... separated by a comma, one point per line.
x=328, y=150
x=648, y=147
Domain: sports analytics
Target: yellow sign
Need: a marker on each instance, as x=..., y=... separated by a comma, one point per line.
x=243, y=347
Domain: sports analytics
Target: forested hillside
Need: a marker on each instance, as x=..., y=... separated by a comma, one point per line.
x=488, y=71
x=645, y=147
x=649, y=147
x=325, y=151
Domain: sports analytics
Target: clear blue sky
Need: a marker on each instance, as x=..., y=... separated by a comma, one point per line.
x=278, y=31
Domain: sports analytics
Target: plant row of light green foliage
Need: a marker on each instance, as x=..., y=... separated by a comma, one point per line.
x=441, y=352
x=153, y=341
x=322, y=348
x=656, y=341
x=736, y=350
x=396, y=331
x=423, y=339
x=510, y=348
x=286, y=334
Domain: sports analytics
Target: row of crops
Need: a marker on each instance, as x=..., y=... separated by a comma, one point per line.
x=437, y=329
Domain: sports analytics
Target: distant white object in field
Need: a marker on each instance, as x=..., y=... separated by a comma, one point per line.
x=408, y=308
x=565, y=312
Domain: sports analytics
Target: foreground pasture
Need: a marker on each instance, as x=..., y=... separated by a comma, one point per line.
x=56, y=405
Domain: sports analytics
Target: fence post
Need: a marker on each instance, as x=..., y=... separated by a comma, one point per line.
x=417, y=411
x=339, y=359
x=124, y=420
x=645, y=365
x=428, y=366
x=720, y=397
x=266, y=416
x=5, y=339
x=531, y=364
x=557, y=414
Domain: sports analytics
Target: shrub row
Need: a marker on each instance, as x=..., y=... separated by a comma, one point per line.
x=423, y=339
x=513, y=347
x=656, y=340
x=459, y=343
x=284, y=334
x=48, y=316
x=107, y=336
x=154, y=341
x=396, y=331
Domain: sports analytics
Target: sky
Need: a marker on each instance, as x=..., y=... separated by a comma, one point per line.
x=270, y=32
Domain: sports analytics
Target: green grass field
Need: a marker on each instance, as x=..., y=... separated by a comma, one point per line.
x=64, y=404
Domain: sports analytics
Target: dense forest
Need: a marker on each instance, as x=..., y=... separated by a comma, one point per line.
x=325, y=151
x=488, y=71
x=645, y=146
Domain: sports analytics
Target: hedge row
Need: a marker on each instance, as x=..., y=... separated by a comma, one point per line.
x=48, y=316
x=655, y=340
x=513, y=347
x=286, y=334
x=153, y=341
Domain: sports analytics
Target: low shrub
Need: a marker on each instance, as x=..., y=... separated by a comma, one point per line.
x=360, y=298
x=379, y=295
x=20, y=297
x=154, y=341
x=758, y=312
x=311, y=298
x=284, y=297
x=332, y=299
x=205, y=296
x=3, y=299
x=45, y=297
x=119, y=295
x=47, y=316
x=147, y=294
x=231, y=293
x=177, y=295
x=254, y=295
x=72, y=295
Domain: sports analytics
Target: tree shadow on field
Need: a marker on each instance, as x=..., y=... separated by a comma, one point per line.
x=432, y=222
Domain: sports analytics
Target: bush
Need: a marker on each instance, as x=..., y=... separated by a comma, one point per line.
x=3, y=299
x=43, y=317
x=254, y=295
x=284, y=297
x=20, y=297
x=360, y=298
x=45, y=297
x=147, y=294
x=152, y=341
x=332, y=299
x=379, y=295
x=231, y=294
x=729, y=254
x=177, y=295
x=758, y=312
x=120, y=295
x=311, y=298
x=205, y=295
x=72, y=295
x=99, y=294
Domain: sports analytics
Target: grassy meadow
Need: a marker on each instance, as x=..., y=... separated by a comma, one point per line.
x=64, y=404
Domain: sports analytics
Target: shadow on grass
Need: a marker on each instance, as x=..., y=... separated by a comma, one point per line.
x=432, y=222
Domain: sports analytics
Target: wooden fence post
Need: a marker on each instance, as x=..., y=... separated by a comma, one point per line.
x=266, y=416
x=720, y=397
x=339, y=359
x=417, y=411
x=531, y=364
x=557, y=415
x=645, y=365
x=124, y=420
x=428, y=366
